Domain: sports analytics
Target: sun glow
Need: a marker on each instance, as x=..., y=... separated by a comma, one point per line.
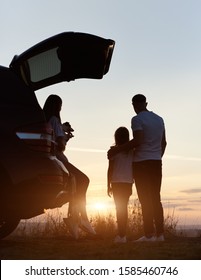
x=100, y=206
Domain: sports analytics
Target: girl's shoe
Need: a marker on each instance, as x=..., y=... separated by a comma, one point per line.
x=160, y=238
x=85, y=225
x=119, y=239
x=146, y=239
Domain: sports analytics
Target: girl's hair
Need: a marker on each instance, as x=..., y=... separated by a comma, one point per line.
x=52, y=107
x=121, y=136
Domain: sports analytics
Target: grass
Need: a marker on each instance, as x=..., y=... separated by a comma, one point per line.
x=104, y=224
x=50, y=240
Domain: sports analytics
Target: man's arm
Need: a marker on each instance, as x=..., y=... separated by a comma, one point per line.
x=136, y=141
x=163, y=144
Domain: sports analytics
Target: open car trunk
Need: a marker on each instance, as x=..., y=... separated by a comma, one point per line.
x=64, y=57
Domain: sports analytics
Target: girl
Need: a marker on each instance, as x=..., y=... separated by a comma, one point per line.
x=120, y=181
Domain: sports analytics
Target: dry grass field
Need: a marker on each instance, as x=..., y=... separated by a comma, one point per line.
x=52, y=242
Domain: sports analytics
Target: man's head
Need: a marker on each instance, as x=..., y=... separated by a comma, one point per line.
x=139, y=103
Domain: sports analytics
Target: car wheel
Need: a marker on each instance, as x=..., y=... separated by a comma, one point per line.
x=8, y=225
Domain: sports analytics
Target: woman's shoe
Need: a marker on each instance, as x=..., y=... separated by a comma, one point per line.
x=73, y=227
x=86, y=226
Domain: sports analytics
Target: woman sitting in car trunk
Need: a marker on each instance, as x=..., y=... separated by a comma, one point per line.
x=52, y=108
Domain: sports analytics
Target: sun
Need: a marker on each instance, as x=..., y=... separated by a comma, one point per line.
x=100, y=206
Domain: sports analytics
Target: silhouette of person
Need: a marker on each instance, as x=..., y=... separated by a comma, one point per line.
x=149, y=143
x=52, y=108
x=120, y=181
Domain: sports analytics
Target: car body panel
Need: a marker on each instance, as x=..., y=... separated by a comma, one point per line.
x=20, y=111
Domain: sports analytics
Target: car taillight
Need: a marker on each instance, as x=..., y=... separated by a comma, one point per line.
x=38, y=139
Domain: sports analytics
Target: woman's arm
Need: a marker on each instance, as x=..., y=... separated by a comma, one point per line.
x=61, y=143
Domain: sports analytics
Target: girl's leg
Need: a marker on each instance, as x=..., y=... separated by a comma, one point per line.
x=121, y=194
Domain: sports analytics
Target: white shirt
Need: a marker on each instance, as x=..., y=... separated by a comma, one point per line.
x=153, y=128
x=122, y=167
x=57, y=127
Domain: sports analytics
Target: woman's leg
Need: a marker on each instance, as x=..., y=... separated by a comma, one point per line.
x=82, y=183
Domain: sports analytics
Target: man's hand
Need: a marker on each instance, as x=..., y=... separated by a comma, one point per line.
x=124, y=147
x=111, y=152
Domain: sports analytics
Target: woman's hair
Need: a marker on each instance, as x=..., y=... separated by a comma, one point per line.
x=52, y=107
x=121, y=136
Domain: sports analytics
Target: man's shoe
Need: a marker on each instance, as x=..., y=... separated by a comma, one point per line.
x=86, y=226
x=72, y=227
x=119, y=239
x=160, y=238
x=146, y=239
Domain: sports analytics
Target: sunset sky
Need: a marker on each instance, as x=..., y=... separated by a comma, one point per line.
x=157, y=53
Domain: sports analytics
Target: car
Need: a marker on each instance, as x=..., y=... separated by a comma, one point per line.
x=30, y=175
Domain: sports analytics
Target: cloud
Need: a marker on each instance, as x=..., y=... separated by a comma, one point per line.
x=178, y=157
x=167, y=199
x=195, y=201
x=186, y=209
x=87, y=150
x=170, y=205
x=196, y=190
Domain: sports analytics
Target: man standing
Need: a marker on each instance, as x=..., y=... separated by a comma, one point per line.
x=150, y=143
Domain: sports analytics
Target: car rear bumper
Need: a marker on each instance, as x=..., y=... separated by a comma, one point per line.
x=36, y=192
